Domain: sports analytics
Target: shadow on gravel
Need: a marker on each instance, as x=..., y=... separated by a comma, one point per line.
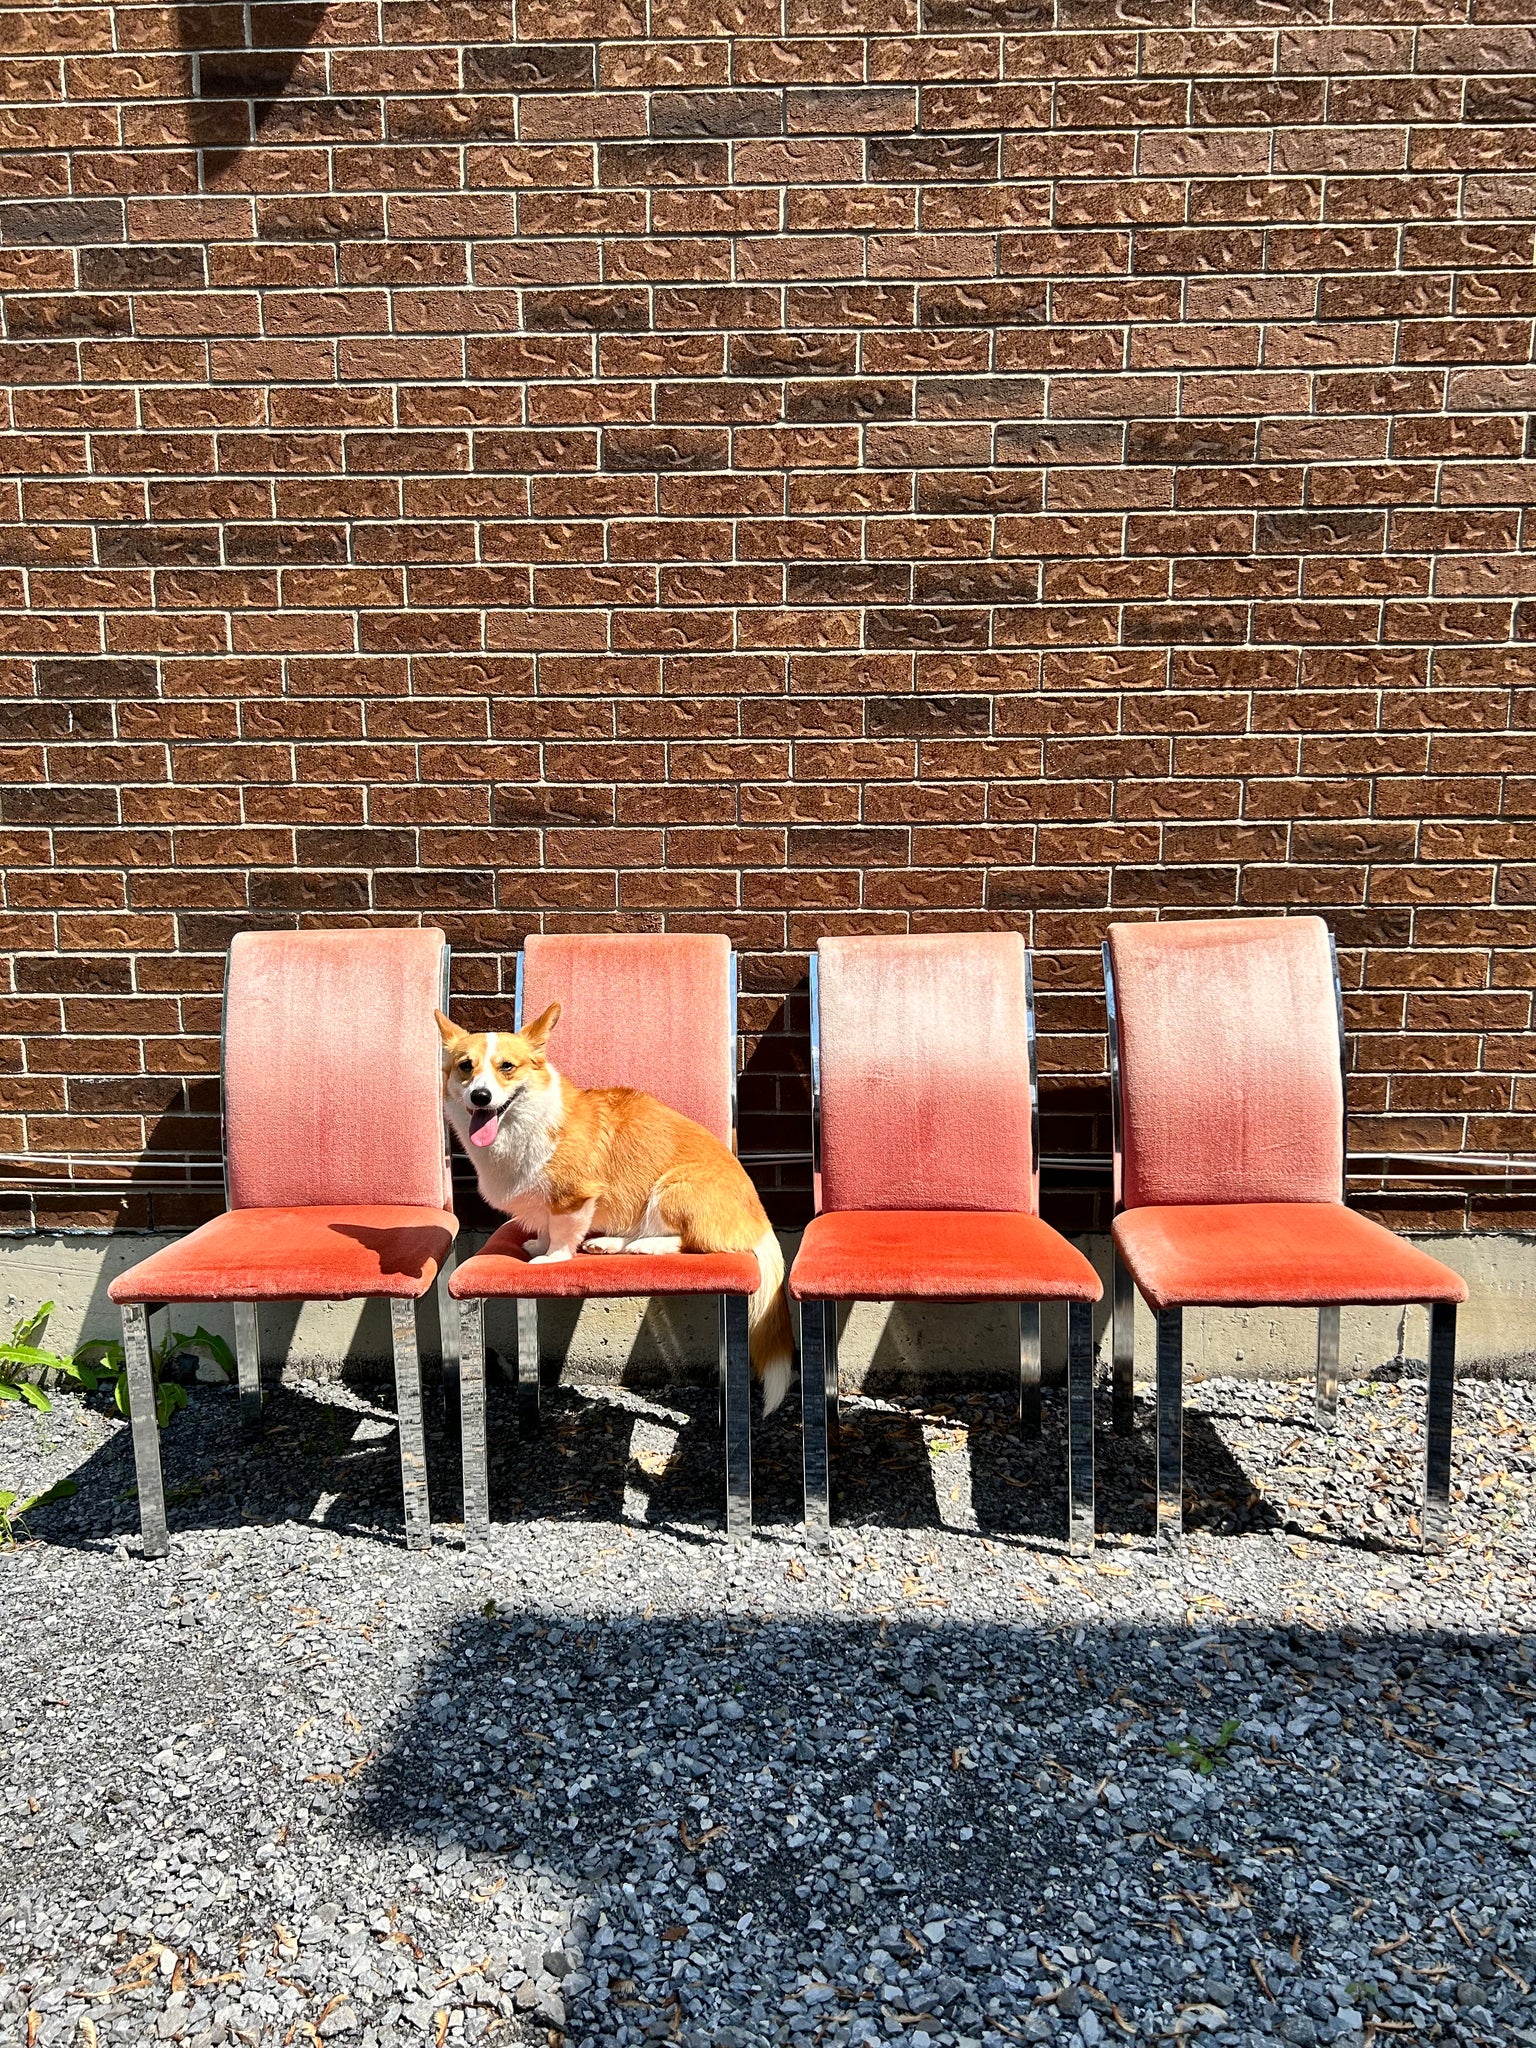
x=833, y=1778
x=312, y=1460
x=596, y=1459
x=337, y=1464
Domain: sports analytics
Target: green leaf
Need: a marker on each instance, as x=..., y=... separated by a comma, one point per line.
x=29, y=1355
x=60, y=1490
x=26, y=1328
x=9, y=1392
x=35, y=1395
x=111, y=1355
x=169, y=1396
x=7, y=1502
x=216, y=1346
x=120, y=1394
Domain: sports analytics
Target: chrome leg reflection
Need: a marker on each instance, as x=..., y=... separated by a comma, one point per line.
x=1442, y=1398
x=528, y=1385
x=248, y=1360
x=146, y=1430
x=1080, y=1428
x=834, y=1372
x=1170, y=1422
x=1123, y=1348
x=813, y=1419
x=1328, y=1367
x=1029, y=1367
x=738, y=1421
x=477, y=1492
x=413, y=1436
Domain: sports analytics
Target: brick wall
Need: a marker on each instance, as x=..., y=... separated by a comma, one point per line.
x=780, y=470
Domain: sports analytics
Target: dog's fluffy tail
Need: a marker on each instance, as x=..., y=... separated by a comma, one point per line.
x=771, y=1338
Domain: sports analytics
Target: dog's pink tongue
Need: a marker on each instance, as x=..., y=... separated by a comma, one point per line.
x=482, y=1127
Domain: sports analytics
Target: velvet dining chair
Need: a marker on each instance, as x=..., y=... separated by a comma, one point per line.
x=925, y=1123
x=1227, y=1057
x=336, y=1172
x=655, y=1011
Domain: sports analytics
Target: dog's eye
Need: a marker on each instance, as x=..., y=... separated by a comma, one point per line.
x=507, y=1066
x=466, y=1066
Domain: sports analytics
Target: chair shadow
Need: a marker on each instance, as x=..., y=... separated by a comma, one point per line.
x=311, y=1460
x=594, y=1458
x=237, y=76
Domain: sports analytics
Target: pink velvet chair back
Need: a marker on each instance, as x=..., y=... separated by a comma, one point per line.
x=1230, y=1081
x=333, y=1069
x=925, y=1073
x=641, y=1010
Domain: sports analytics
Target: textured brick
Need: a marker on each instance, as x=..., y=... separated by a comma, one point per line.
x=981, y=462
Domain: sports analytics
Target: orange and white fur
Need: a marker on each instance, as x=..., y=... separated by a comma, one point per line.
x=607, y=1170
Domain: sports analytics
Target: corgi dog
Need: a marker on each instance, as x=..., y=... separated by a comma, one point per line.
x=607, y=1170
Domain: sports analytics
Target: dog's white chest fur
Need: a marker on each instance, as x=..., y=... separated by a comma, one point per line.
x=511, y=1170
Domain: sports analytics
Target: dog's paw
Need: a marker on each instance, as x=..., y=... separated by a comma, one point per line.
x=554, y=1258
x=535, y=1247
x=603, y=1244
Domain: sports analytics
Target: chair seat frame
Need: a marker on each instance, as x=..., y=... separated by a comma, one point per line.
x=820, y=1389
x=734, y=1364
x=405, y=1343
x=1169, y=1509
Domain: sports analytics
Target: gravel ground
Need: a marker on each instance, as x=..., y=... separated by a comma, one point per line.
x=603, y=1782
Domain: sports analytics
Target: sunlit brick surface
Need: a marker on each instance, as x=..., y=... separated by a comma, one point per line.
x=775, y=469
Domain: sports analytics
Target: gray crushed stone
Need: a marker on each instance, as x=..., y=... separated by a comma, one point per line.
x=603, y=1781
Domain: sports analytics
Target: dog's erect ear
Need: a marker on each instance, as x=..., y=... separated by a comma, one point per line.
x=447, y=1029
x=537, y=1033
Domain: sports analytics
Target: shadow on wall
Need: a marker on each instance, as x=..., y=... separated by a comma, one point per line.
x=243, y=59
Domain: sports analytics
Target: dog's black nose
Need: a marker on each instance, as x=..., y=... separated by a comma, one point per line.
x=480, y=1097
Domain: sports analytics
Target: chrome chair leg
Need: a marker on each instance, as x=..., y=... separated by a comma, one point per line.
x=1123, y=1348
x=477, y=1497
x=738, y=1422
x=834, y=1371
x=413, y=1437
x=528, y=1366
x=445, y=1314
x=1170, y=1422
x=1029, y=1367
x=248, y=1360
x=1328, y=1367
x=145, y=1424
x=814, y=1432
x=720, y=1369
x=1080, y=1428
x=1442, y=1397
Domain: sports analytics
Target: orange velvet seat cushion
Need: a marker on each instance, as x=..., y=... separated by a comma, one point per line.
x=1275, y=1255
x=323, y=1254
x=503, y=1269
x=938, y=1255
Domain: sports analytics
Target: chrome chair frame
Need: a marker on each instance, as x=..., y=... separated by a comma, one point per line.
x=405, y=1345
x=734, y=1370
x=1170, y=1333
x=820, y=1390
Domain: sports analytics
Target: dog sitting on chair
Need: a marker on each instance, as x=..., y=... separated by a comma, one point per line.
x=607, y=1170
